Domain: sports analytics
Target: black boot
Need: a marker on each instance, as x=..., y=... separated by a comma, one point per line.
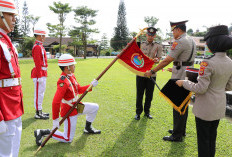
x=40, y=134
x=40, y=115
x=90, y=130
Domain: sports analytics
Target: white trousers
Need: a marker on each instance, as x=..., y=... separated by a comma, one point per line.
x=39, y=90
x=10, y=141
x=90, y=111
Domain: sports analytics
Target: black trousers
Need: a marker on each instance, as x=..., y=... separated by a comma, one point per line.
x=144, y=84
x=179, y=123
x=206, y=137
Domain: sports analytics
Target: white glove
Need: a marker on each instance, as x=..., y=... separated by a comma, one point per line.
x=56, y=123
x=39, y=80
x=3, y=127
x=94, y=83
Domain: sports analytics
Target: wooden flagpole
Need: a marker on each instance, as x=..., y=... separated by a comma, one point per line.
x=83, y=95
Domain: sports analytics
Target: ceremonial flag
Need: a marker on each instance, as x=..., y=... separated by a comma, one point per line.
x=134, y=59
x=177, y=97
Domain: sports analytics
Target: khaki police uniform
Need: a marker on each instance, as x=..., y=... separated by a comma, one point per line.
x=183, y=51
x=215, y=77
x=152, y=50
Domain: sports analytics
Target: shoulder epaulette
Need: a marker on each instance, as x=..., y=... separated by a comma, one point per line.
x=62, y=77
x=208, y=57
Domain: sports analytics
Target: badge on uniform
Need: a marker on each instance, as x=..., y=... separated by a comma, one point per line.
x=174, y=45
x=204, y=64
x=61, y=84
x=202, y=71
x=202, y=68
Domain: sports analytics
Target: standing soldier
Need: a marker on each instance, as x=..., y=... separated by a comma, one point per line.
x=39, y=72
x=66, y=95
x=182, y=53
x=11, y=104
x=143, y=84
x=215, y=77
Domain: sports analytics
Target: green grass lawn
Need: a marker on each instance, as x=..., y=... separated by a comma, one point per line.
x=121, y=134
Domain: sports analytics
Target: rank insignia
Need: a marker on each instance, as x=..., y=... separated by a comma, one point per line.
x=61, y=84
x=204, y=64
x=202, y=70
x=174, y=45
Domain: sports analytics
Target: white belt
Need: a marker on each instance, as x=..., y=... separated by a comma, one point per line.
x=10, y=82
x=44, y=68
x=69, y=102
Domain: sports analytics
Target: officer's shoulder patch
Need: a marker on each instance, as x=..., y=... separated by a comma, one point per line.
x=202, y=70
x=61, y=84
x=174, y=45
x=204, y=64
x=62, y=77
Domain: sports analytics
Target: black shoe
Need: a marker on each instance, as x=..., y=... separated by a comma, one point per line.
x=46, y=114
x=137, y=117
x=40, y=134
x=40, y=115
x=148, y=116
x=171, y=131
x=172, y=139
x=90, y=130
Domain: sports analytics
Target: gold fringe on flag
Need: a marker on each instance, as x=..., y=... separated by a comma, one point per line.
x=187, y=100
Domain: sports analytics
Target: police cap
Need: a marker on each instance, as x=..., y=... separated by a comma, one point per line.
x=178, y=24
x=151, y=31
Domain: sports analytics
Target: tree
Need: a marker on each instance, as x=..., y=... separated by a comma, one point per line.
x=25, y=26
x=121, y=32
x=84, y=16
x=199, y=34
x=190, y=31
x=151, y=21
x=16, y=35
x=33, y=20
x=59, y=30
x=104, y=42
x=77, y=43
x=25, y=48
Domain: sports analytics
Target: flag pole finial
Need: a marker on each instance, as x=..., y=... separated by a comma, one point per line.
x=141, y=32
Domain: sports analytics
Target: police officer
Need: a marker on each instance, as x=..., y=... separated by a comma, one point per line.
x=215, y=77
x=143, y=84
x=11, y=103
x=66, y=95
x=39, y=72
x=182, y=54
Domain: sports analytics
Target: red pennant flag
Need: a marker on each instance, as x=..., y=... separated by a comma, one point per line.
x=134, y=59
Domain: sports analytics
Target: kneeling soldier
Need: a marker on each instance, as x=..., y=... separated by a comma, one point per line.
x=65, y=97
